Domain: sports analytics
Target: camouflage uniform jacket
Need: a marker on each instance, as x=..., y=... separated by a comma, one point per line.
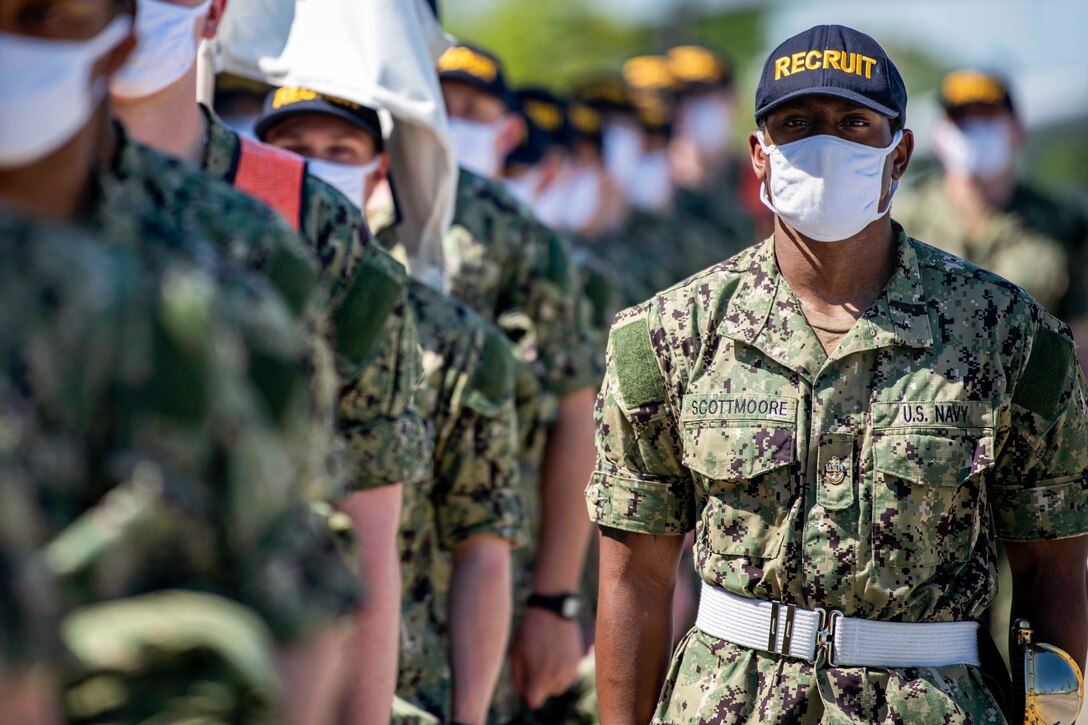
x=153, y=404
x=467, y=400
x=1036, y=242
x=955, y=409
x=512, y=269
x=373, y=332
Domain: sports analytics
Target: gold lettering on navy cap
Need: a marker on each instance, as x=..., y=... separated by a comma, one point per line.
x=801, y=61
x=289, y=95
x=545, y=115
x=962, y=87
x=466, y=60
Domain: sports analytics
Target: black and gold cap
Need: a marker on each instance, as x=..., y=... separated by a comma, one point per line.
x=695, y=67
x=970, y=87
x=478, y=68
x=649, y=73
x=292, y=101
x=546, y=114
x=603, y=92
x=832, y=60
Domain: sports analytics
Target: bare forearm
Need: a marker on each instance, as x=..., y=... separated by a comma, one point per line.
x=372, y=681
x=31, y=698
x=634, y=625
x=312, y=673
x=1049, y=591
x=479, y=624
x=565, y=528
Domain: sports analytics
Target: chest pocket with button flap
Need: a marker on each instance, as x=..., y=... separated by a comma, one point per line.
x=929, y=461
x=742, y=448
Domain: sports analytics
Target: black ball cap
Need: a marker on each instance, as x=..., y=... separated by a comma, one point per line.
x=290, y=101
x=832, y=60
x=476, y=67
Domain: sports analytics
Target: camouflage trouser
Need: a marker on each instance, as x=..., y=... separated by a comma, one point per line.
x=711, y=680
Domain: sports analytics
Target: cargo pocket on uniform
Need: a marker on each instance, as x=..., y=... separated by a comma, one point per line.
x=747, y=475
x=927, y=496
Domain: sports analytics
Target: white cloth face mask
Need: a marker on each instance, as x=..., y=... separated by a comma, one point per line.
x=348, y=179
x=165, y=48
x=524, y=188
x=650, y=188
x=707, y=123
x=46, y=92
x=981, y=148
x=826, y=187
x=583, y=199
x=476, y=146
x=622, y=149
x=550, y=203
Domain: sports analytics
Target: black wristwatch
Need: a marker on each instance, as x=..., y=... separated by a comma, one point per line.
x=566, y=605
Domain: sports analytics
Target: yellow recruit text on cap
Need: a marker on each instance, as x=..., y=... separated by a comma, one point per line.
x=694, y=64
x=584, y=119
x=648, y=71
x=855, y=63
x=468, y=61
x=546, y=115
x=289, y=95
x=963, y=87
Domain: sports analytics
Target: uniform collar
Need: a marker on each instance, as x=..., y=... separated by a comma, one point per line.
x=765, y=313
x=221, y=148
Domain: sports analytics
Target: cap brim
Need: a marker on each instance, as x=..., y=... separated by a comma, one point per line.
x=265, y=122
x=834, y=91
x=457, y=76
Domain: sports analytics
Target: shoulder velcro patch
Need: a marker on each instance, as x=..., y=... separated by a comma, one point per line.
x=1046, y=376
x=293, y=275
x=360, y=314
x=639, y=378
x=493, y=379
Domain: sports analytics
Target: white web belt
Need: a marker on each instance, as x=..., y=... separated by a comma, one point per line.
x=843, y=641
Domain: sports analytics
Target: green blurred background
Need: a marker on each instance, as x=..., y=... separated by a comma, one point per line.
x=1038, y=44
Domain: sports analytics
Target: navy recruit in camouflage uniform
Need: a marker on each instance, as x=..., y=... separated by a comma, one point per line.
x=954, y=404
x=374, y=333
x=874, y=479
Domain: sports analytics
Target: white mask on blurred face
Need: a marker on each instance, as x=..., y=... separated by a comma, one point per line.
x=583, y=199
x=650, y=187
x=476, y=146
x=980, y=148
x=524, y=188
x=622, y=148
x=706, y=121
x=46, y=91
x=165, y=48
x=349, y=180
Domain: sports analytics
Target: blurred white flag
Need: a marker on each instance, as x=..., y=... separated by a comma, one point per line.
x=380, y=53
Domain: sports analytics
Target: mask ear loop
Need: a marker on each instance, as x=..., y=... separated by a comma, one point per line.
x=894, y=186
x=764, y=194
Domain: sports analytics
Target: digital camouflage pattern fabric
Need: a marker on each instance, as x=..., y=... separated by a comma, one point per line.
x=158, y=406
x=954, y=406
x=1036, y=242
x=231, y=232
x=373, y=334
x=512, y=269
x=467, y=400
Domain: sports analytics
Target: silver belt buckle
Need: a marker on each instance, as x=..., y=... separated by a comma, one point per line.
x=825, y=636
x=787, y=635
